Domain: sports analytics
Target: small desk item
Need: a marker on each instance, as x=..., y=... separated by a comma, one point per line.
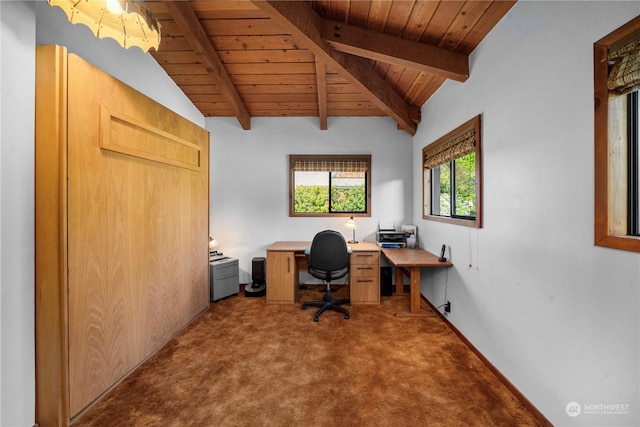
x=408, y=262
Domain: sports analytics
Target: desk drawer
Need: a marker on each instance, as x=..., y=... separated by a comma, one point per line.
x=364, y=290
x=365, y=258
x=359, y=270
x=224, y=268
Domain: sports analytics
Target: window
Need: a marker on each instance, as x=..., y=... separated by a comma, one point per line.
x=329, y=185
x=616, y=148
x=452, y=177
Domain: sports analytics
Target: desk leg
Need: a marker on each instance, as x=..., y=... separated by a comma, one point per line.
x=414, y=307
x=399, y=281
x=415, y=290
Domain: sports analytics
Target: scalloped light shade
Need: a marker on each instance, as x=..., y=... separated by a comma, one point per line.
x=134, y=26
x=351, y=223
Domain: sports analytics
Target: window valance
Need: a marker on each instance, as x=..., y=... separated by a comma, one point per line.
x=459, y=145
x=624, y=76
x=318, y=164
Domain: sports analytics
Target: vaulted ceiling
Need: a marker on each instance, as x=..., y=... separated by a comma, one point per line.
x=323, y=58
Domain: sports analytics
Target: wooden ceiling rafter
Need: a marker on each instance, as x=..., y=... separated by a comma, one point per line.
x=396, y=50
x=321, y=85
x=188, y=22
x=306, y=26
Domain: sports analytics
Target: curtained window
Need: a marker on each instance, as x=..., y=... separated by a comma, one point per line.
x=617, y=146
x=452, y=177
x=329, y=185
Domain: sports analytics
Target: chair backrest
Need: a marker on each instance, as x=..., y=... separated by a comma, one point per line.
x=328, y=256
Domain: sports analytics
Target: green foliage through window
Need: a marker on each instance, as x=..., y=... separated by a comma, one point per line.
x=348, y=199
x=462, y=187
x=329, y=185
x=465, y=185
x=311, y=198
x=347, y=195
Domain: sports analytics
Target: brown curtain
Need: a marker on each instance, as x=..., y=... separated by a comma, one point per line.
x=624, y=76
x=323, y=165
x=457, y=146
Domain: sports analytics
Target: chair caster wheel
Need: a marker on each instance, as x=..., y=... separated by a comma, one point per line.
x=349, y=304
x=346, y=316
x=315, y=319
x=304, y=307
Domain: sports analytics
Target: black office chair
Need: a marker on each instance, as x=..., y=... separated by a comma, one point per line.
x=328, y=259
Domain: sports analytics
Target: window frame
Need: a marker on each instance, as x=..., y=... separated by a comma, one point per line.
x=330, y=158
x=476, y=222
x=633, y=162
x=610, y=147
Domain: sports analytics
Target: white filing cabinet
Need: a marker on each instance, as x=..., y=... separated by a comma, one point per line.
x=223, y=278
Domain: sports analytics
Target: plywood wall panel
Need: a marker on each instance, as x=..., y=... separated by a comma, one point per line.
x=137, y=231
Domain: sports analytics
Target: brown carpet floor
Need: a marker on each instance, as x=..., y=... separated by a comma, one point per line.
x=245, y=363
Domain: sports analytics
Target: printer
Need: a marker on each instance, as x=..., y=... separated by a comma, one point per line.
x=390, y=238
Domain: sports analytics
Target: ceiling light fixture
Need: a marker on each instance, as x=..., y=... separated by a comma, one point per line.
x=129, y=22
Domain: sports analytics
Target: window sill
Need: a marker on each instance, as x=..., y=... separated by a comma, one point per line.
x=474, y=223
x=625, y=243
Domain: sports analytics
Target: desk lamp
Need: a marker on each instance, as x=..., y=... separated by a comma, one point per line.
x=212, y=244
x=352, y=225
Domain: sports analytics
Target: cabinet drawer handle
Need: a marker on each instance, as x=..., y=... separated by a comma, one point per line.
x=365, y=280
x=365, y=268
x=288, y=265
x=367, y=255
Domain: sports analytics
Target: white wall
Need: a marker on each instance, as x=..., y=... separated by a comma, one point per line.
x=555, y=314
x=17, y=390
x=249, y=205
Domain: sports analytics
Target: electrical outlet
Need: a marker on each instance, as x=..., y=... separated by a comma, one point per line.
x=447, y=307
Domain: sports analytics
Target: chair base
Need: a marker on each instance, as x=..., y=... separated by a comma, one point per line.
x=328, y=303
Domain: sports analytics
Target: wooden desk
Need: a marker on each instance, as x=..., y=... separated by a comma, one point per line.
x=286, y=259
x=409, y=262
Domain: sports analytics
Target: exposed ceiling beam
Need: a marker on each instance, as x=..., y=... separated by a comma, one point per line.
x=395, y=50
x=321, y=84
x=305, y=25
x=188, y=22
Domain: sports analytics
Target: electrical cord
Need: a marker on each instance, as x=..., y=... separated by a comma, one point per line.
x=446, y=286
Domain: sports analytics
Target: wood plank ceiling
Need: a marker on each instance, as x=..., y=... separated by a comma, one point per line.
x=324, y=58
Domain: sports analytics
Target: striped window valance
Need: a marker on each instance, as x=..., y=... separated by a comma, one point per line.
x=318, y=164
x=460, y=144
x=624, y=76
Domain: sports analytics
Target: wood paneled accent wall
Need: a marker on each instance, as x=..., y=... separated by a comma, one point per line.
x=122, y=230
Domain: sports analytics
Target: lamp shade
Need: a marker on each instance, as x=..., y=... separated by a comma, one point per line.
x=129, y=22
x=352, y=225
x=212, y=242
